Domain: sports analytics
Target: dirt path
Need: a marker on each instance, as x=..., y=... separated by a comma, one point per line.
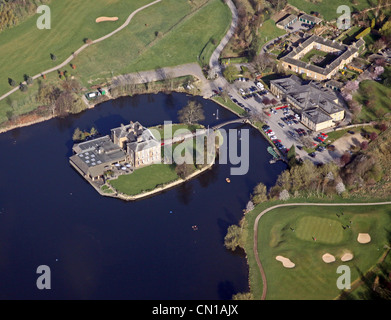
x=67, y=61
x=256, y=223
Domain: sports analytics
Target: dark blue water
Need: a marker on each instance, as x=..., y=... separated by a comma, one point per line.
x=104, y=248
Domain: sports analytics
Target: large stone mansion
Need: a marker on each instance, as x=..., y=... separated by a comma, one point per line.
x=130, y=144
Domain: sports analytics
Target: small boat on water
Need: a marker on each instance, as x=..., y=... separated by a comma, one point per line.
x=228, y=180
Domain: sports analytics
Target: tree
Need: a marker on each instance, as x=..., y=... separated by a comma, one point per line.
x=230, y=73
x=23, y=87
x=364, y=145
x=11, y=82
x=77, y=135
x=192, y=113
x=184, y=170
x=93, y=131
x=249, y=206
x=284, y=195
x=345, y=158
x=340, y=187
x=232, y=240
x=53, y=57
x=292, y=156
x=373, y=136
x=259, y=194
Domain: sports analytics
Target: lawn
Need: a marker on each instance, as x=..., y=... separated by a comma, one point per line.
x=230, y=105
x=378, y=96
x=288, y=232
x=328, y=8
x=169, y=33
x=167, y=132
x=268, y=31
x=26, y=50
x=145, y=179
x=166, y=34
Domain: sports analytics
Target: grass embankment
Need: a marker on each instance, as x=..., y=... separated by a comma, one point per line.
x=145, y=179
x=230, y=105
x=312, y=278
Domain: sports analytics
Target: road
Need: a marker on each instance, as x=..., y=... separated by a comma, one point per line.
x=214, y=59
x=256, y=223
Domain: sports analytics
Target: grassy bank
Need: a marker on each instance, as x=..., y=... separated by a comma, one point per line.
x=145, y=179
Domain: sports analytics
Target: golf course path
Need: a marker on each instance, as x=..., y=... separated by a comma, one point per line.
x=214, y=59
x=256, y=223
x=74, y=54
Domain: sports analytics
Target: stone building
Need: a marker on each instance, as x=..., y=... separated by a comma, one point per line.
x=343, y=54
x=318, y=106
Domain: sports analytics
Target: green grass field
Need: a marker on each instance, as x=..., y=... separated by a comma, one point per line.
x=269, y=31
x=314, y=228
x=379, y=95
x=184, y=37
x=312, y=278
x=26, y=50
x=328, y=8
x=145, y=179
x=169, y=33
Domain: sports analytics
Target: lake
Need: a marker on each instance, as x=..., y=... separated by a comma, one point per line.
x=104, y=248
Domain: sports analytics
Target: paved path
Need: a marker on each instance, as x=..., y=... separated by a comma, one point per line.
x=67, y=61
x=255, y=247
x=214, y=59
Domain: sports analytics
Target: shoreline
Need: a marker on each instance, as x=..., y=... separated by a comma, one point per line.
x=156, y=191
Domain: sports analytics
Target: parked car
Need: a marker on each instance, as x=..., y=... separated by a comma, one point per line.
x=281, y=125
x=312, y=154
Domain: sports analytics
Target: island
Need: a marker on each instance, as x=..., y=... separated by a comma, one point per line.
x=135, y=162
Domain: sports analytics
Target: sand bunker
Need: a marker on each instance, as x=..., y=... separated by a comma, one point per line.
x=328, y=258
x=103, y=19
x=347, y=256
x=364, y=238
x=287, y=263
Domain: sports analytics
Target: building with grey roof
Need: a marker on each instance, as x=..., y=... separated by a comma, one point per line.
x=309, y=19
x=319, y=107
x=344, y=54
x=287, y=21
x=132, y=144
